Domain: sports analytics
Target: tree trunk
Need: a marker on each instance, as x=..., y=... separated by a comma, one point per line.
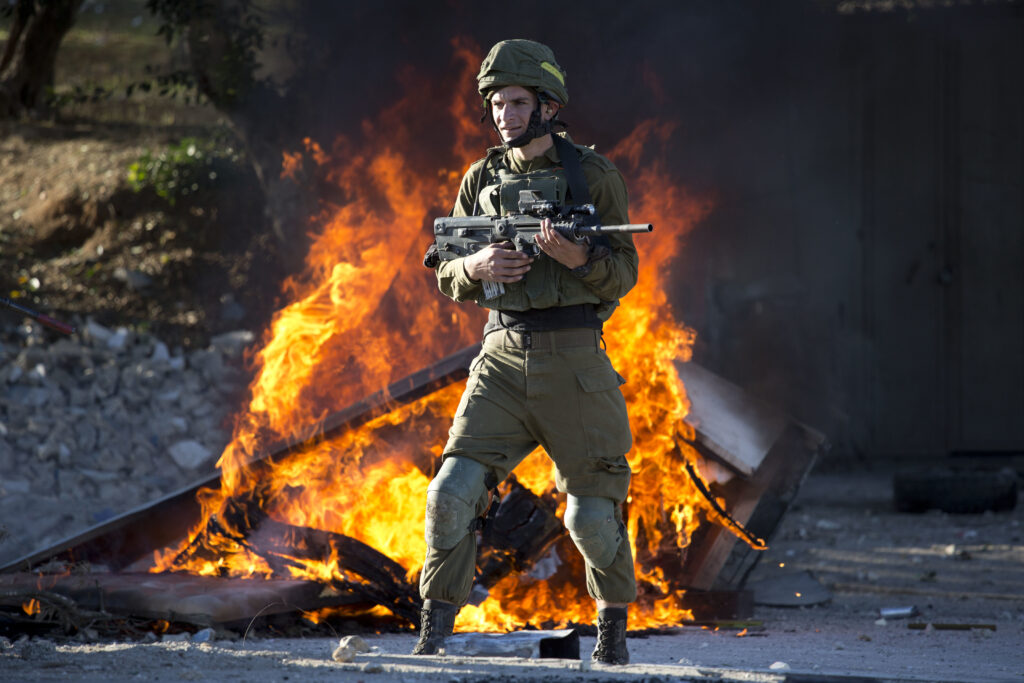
x=263, y=118
x=27, y=64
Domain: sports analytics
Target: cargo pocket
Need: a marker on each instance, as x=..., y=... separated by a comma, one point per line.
x=603, y=411
x=471, y=383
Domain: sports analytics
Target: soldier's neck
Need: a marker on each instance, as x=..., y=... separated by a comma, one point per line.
x=533, y=149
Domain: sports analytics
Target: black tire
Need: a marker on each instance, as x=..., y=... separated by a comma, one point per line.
x=957, y=492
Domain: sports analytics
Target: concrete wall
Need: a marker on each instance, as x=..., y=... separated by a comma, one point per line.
x=865, y=263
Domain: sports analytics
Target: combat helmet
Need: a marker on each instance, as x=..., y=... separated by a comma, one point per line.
x=526, y=63
x=529, y=64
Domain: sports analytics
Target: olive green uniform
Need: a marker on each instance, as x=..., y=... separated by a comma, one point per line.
x=556, y=388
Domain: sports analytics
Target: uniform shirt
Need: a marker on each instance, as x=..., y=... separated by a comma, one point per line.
x=549, y=283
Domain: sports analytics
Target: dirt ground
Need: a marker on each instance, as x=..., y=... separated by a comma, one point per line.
x=77, y=241
x=955, y=569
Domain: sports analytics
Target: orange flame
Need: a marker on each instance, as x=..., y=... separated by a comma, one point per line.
x=32, y=607
x=365, y=312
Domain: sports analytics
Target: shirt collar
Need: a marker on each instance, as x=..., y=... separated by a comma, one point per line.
x=548, y=158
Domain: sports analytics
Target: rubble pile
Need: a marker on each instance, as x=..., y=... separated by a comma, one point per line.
x=100, y=422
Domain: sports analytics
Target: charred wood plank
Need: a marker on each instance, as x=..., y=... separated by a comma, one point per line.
x=520, y=531
x=382, y=580
x=134, y=535
x=187, y=598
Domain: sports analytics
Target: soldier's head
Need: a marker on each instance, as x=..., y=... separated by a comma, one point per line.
x=523, y=88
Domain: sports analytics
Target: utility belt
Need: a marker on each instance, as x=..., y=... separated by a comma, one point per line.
x=543, y=340
x=544, y=319
x=544, y=329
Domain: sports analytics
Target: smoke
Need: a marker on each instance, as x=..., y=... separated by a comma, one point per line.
x=768, y=106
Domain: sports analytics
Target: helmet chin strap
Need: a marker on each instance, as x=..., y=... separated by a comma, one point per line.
x=535, y=128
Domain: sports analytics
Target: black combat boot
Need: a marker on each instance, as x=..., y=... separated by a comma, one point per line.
x=437, y=619
x=611, y=636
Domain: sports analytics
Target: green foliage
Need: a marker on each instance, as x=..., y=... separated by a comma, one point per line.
x=237, y=28
x=191, y=167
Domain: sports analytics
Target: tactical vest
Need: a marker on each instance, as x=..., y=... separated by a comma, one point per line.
x=548, y=284
x=500, y=196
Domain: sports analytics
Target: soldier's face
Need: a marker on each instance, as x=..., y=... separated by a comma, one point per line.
x=511, y=107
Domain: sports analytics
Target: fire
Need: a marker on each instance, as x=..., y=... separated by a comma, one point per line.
x=365, y=312
x=32, y=607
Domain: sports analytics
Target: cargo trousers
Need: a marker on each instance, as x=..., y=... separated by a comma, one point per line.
x=556, y=389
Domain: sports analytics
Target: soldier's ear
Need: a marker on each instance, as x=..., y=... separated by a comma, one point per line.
x=550, y=109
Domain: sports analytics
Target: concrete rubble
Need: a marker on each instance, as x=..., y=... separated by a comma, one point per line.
x=94, y=424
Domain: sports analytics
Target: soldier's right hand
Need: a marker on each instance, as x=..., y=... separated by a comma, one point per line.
x=497, y=263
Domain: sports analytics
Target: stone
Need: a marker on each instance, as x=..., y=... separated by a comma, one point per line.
x=105, y=381
x=97, y=333
x=85, y=435
x=14, y=486
x=14, y=373
x=189, y=454
x=204, y=636
x=171, y=395
x=232, y=344
x=119, y=340
x=134, y=279
x=348, y=647
x=160, y=353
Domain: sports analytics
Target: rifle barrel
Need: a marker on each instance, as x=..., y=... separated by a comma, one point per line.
x=609, y=229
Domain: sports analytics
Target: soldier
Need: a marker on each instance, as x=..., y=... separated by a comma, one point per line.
x=542, y=376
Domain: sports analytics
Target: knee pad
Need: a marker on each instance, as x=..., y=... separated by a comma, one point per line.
x=594, y=529
x=453, y=499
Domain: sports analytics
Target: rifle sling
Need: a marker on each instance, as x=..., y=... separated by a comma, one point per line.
x=578, y=188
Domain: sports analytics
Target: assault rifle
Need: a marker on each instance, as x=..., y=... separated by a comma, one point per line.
x=38, y=317
x=458, y=237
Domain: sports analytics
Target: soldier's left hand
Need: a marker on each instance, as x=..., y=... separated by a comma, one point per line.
x=562, y=249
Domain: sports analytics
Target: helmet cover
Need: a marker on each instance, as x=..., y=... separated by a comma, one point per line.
x=525, y=63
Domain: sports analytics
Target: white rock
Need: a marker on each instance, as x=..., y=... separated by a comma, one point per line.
x=779, y=666
x=232, y=343
x=189, y=454
x=348, y=648
x=118, y=340
x=204, y=636
x=38, y=373
x=97, y=332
